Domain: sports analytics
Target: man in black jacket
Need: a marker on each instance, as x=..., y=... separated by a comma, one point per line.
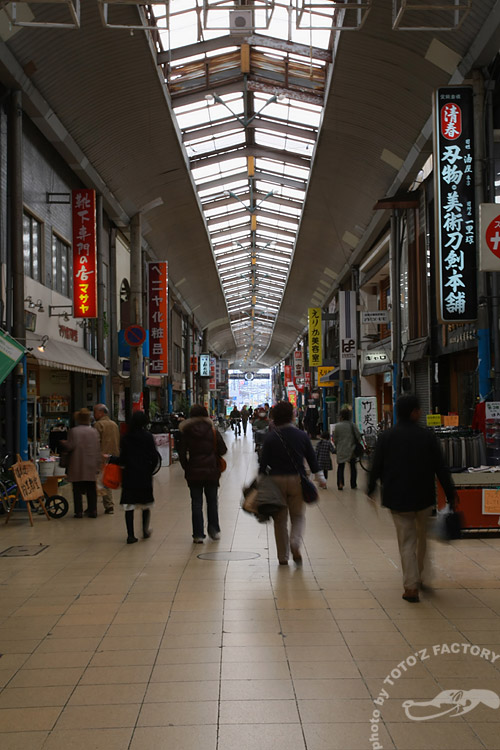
x=407, y=460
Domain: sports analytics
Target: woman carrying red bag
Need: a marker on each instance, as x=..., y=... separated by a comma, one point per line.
x=138, y=459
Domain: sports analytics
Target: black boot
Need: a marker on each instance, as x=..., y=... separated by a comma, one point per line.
x=146, y=517
x=129, y=520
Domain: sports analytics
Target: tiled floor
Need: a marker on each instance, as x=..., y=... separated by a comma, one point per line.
x=109, y=646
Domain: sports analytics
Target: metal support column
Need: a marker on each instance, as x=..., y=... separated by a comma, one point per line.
x=15, y=158
x=356, y=389
x=483, y=333
x=395, y=262
x=100, y=295
x=113, y=320
x=495, y=285
x=136, y=310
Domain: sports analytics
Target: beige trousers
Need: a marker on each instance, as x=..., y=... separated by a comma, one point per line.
x=296, y=508
x=411, y=530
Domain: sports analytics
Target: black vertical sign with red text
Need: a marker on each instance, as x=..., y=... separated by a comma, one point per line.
x=455, y=203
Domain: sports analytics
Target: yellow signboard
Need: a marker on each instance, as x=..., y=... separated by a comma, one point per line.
x=491, y=501
x=433, y=420
x=325, y=376
x=315, y=337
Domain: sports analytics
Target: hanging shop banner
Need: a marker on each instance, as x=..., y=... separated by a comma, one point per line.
x=298, y=363
x=158, y=317
x=212, y=384
x=194, y=363
x=347, y=331
x=366, y=411
x=11, y=352
x=455, y=203
x=288, y=375
x=204, y=366
x=489, y=232
x=315, y=336
x=84, y=254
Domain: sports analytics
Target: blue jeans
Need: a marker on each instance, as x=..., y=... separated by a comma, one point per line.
x=196, y=489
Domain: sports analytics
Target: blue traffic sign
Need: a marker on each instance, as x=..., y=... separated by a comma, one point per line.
x=135, y=335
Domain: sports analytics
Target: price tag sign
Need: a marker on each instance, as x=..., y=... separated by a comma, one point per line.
x=493, y=410
x=433, y=420
x=491, y=502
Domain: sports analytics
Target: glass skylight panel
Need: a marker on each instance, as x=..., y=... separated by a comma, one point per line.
x=214, y=130
x=217, y=190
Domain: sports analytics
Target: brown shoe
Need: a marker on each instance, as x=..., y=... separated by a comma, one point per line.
x=411, y=595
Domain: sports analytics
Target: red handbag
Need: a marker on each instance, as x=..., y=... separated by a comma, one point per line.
x=112, y=476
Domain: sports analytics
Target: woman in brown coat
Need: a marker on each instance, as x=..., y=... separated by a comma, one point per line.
x=200, y=446
x=83, y=463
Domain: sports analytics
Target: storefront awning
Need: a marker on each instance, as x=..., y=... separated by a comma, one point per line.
x=65, y=357
x=375, y=368
x=416, y=349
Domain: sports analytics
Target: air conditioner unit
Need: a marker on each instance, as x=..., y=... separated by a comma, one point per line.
x=241, y=21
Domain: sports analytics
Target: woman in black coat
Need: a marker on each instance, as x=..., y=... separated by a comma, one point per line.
x=139, y=459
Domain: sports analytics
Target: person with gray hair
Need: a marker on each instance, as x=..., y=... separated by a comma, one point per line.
x=109, y=436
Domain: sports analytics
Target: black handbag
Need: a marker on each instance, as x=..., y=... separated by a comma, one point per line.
x=449, y=524
x=358, y=447
x=309, y=491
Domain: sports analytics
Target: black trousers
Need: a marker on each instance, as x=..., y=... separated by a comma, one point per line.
x=354, y=473
x=85, y=488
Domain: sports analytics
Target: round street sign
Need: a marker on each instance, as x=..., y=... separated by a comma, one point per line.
x=135, y=335
x=492, y=236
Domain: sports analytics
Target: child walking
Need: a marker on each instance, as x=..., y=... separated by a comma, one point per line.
x=324, y=450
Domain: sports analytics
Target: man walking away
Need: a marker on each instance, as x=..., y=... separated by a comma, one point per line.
x=109, y=436
x=244, y=419
x=407, y=460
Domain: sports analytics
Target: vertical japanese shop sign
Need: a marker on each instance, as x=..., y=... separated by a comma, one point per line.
x=315, y=337
x=288, y=374
x=298, y=361
x=204, y=370
x=84, y=254
x=212, y=385
x=455, y=203
x=158, y=317
x=347, y=331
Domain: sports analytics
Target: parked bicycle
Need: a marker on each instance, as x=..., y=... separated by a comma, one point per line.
x=369, y=441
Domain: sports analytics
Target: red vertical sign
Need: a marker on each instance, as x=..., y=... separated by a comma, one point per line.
x=288, y=374
x=212, y=386
x=84, y=254
x=158, y=317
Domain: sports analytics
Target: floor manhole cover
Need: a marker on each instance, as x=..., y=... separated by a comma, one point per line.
x=30, y=551
x=229, y=556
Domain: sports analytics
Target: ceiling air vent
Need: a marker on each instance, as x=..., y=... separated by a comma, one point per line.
x=241, y=21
